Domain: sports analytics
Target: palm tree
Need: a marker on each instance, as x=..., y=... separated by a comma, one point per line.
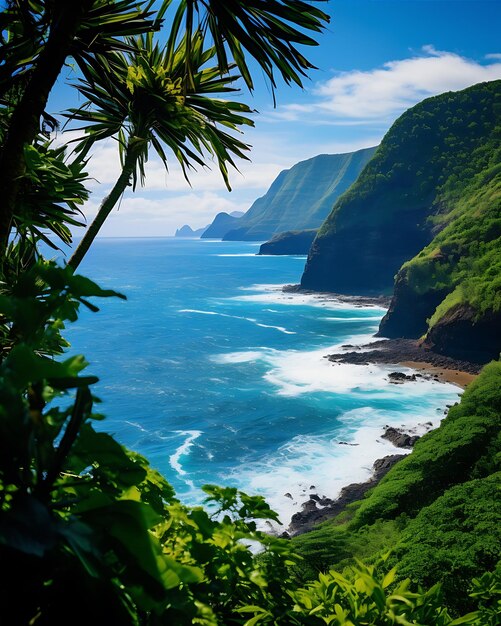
x=38, y=37
x=148, y=103
x=36, y=40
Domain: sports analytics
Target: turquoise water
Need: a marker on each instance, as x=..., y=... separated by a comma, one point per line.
x=217, y=376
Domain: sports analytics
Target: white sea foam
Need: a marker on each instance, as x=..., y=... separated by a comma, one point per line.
x=280, y=328
x=242, y=254
x=248, y=356
x=273, y=294
x=361, y=318
x=293, y=373
x=199, y=312
x=325, y=464
x=320, y=460
x=239, y=317
x=182, y=450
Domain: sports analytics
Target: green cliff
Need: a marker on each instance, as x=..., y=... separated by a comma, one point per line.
x=415, y=186
x=301, y=198
x=436, y=512
x=450, y=293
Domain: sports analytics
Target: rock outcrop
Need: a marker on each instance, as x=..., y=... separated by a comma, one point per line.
x=462, y=334
x=290, y=242
x=187, y=232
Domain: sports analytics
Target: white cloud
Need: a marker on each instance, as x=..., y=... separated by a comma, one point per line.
x=142, y=216
x=385, y=92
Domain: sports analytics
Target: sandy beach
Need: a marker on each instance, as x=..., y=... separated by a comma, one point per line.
x=456, y=377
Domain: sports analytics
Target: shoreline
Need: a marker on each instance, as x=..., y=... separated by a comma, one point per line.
x=358, y=301
x=306, y=520
x=403, y=439
x=454, y=376
x=419, y=364
x=405, y=353
x=408, y=353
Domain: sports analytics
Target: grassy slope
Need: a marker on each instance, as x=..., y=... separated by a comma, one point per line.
x=301, y=198
x=438, y=509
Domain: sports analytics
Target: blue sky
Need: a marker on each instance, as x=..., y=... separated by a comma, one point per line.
x=376, y=59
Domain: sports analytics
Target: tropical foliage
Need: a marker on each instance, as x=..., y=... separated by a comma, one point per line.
x=437, y=510
x=89, y=532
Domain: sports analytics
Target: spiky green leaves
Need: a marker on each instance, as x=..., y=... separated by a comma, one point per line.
x=147, y=99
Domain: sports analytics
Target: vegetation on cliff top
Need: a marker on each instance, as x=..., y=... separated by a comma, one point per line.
x=415, y=184
x=464, y=259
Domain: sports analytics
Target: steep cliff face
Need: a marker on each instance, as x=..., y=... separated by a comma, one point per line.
x=301, y=198
x=290, y=242
x=405, y=195
x=450, y=293
x=464, y=334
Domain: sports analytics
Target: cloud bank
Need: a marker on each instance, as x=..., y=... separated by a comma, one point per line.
x=383, y=93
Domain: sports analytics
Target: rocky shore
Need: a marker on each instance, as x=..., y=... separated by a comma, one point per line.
x=409, y=353
x=399, y=351
x=357, y=301
x=320, y=508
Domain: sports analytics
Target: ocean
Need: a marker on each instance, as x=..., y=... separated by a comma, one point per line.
x=217, y=376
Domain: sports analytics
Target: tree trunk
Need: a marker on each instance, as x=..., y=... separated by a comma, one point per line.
x=25, y=122
x=106, y=207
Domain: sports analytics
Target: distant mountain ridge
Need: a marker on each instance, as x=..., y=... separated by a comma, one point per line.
x=221, y=224
x=301, y=198
x=187, y=231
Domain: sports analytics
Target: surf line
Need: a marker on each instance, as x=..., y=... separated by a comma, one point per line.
x=183, y=450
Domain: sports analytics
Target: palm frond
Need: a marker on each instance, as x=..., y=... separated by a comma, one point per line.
x=148, y=99
x=267, y=30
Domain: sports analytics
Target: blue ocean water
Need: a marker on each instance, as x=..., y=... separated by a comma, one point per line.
x=217, y=376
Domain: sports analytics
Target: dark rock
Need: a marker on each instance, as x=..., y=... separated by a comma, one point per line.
x=304, y=520
x=399, y=438
x=384, y=465
x=461, y=334
x=408, y=311
x=288, y=495
x=289, y=242
x=309, y=505
x=400, y=377
x=399, y=350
